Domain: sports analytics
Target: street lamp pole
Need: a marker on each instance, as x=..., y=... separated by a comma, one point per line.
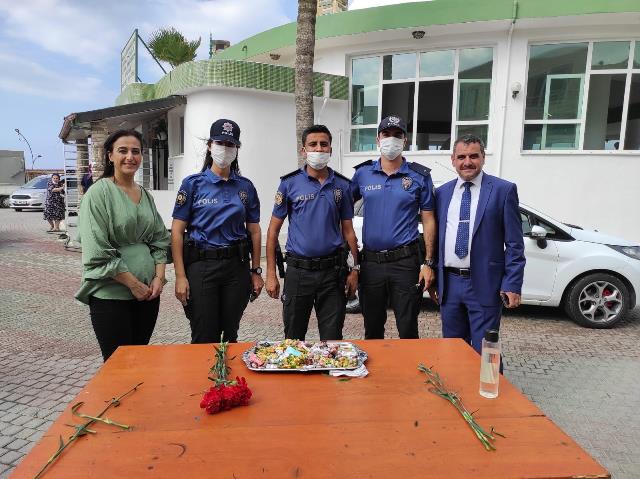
x=33, y=158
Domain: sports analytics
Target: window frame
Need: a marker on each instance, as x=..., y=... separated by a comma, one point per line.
x=629, y=71
x=181, y=135
x=364, y=126
x=534, y=220
x=417, y=79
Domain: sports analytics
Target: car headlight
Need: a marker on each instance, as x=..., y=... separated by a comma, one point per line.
x=630, y=251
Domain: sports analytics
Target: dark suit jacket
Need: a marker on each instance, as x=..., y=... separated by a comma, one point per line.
x=497, y=247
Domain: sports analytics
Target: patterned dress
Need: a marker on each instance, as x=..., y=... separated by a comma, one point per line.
x=54, y=204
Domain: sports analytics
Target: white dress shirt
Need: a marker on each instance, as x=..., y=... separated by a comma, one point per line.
x=453, y=217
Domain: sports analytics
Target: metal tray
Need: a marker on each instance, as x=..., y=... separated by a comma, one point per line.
x=360, y=354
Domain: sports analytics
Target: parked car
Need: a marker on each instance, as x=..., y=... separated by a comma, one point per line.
x=593, y=276
x=12, y=173
x=31, y=195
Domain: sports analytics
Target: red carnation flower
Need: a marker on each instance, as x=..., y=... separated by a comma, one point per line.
x=224, y=394
x=224, y=397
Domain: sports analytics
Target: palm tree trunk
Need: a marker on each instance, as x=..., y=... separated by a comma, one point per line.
x=305, y=45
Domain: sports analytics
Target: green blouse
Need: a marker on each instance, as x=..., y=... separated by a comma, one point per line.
x=117, y=236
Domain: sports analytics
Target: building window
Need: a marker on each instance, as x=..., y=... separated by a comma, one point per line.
x=576, y=97
x=441, y=95
x=181, y=137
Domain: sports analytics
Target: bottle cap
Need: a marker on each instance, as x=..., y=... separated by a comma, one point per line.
x=492, y=336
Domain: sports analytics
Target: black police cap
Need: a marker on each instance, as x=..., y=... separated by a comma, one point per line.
x=392, y=121
x=225, y=130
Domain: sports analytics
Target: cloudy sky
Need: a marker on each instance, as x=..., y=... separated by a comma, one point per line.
x=63, y=56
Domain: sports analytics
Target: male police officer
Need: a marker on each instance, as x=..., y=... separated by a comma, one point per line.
x=319, y=204
x=394, y=191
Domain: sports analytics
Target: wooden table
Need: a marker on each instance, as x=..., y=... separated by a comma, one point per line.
x=308, y=425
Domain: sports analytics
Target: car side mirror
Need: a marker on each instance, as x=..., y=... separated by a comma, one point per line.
x=538, y=232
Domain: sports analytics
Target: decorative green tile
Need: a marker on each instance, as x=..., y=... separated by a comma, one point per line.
x=136, y=92
x=230, y=73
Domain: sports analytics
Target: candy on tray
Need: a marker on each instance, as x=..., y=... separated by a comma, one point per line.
x=292, y=354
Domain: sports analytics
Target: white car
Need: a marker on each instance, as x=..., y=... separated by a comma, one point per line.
x=31, y=195
x=593, y=276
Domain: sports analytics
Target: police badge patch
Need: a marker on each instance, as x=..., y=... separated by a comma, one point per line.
x=279, y=198
x=406, y=182
x=181, y=199
x=337, y=195
x=227, y=128
x=244, y=197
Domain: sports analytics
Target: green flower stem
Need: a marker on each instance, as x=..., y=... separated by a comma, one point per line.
x=433, y=378
x=104, y=420
x=83, y=429
x=220, y=371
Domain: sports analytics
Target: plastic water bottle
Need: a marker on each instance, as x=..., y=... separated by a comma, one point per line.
x=490, y=364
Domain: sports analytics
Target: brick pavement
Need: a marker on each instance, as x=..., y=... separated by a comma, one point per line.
x=587, y=381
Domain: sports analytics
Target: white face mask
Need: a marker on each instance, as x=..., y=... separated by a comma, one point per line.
x=391, y=147
x=222, y=155
x=318, y=159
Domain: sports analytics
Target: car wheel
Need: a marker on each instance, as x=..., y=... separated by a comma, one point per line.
x=598, y=301
x=353, y=306
x=17, y=209
x=6, y=202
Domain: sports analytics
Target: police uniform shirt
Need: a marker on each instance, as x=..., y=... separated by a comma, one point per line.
x=315, y=212
x=391, y=203
x=216, y=210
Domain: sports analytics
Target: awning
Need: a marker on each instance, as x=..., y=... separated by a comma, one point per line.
x=78, y=125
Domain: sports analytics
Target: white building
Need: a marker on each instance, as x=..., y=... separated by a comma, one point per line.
x=552, y=87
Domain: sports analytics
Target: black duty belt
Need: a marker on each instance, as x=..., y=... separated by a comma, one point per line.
x=387, y=256
x=325, y=262
x=224, y=252
x=464, y=272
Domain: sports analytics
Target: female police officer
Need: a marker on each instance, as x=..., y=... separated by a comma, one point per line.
x=217, y=207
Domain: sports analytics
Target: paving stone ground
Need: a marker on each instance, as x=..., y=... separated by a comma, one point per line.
x=587, y=381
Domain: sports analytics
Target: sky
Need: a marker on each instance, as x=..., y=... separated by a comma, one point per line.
x=63, y=56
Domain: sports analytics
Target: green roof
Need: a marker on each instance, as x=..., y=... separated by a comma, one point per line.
x=229, y=73
x=422, y=14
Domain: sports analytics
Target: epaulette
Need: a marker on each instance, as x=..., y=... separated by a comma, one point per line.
x=368, y=162
x=420, y=169
x=289, y=175
x=341, y=176
x=193, y=176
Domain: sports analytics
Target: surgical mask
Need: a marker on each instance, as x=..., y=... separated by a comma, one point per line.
x=222, y=155
x=318, y=159
x=391, y=147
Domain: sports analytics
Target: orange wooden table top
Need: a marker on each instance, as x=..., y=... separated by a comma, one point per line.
x=307, y=425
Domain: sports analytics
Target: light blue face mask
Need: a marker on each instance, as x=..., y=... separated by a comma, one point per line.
x=391, y=147
x=222, y=155
x=318, y=159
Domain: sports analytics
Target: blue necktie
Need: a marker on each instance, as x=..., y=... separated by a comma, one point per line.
x=462, y=238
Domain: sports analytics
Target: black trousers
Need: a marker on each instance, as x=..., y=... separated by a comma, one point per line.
x=395, y=283
x=305, y=289
x=219, y=293
x=119, y=322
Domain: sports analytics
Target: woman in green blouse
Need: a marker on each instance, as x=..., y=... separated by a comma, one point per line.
x=124, y=249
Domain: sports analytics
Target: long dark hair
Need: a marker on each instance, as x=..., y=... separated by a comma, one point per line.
x=108, y=148
x=208, y=160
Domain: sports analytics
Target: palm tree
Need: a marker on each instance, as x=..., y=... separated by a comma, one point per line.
x=305, y=45
x=169, y=45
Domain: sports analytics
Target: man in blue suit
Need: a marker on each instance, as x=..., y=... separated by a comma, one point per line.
x=480, y=248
